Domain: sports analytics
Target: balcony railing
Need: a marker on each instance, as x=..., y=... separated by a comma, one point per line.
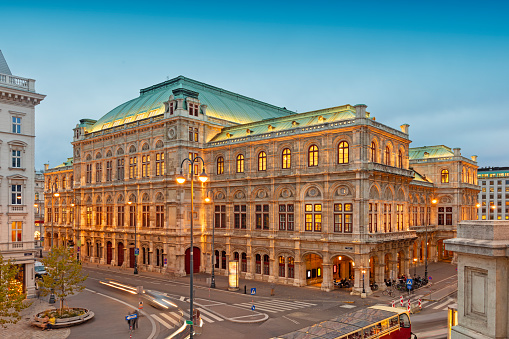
x=17, y=82
x=17, y=209
x=381, y=237
x=17, y=245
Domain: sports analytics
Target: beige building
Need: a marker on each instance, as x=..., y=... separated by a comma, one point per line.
x=295, y=198
x=17, y=175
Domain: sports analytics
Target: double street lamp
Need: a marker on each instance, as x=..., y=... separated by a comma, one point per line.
x=181, y=179
x=135, y=238
x=54, y=193
x=76, y=219
x=213, y=256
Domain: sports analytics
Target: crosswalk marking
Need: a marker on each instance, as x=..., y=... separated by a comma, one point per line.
x=161, y=321
x=442, y=304
x=274, y=306
x=347, y=306
x=265, y=304
x=212, y=315
x=172, y=320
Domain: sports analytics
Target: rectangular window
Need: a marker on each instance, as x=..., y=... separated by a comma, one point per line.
x=88, y=218
x=109, y=170
x=56, y=215
x=313, y=217
x=88, y=175
x=16, y=231
x=190, y=134
x=448, y=215
x=159, y=164
x=240, y=216
x=132, y=216
x=220, y=216
x=16, y=159
x=48, y=214
x=145, y=215
x=196, y=134
x=98, y=215
x=133, y=167
x=159, y=215
x=441, y=216
x=120, y=216
x=98, y=172
x=109, y=216
x=64, y=215
x=172, y=107
x=262, y=217
x=286, y=217
x=120, y=169
x=16, y=195
x=16, y=125
x=145, y=166
x=192, y=108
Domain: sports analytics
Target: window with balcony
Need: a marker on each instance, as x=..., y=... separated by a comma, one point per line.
x=373, y=218
x=16, y=195
x=16, y=231
x=343, y=215
x=387, y=218
x=399, y=217
x=313, y=217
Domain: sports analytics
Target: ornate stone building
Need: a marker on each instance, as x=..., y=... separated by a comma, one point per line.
x=295, y=198
x=17, y=175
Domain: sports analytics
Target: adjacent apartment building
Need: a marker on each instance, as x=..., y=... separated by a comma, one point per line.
x=293, y=198
x=17, y=174
x=494, y=194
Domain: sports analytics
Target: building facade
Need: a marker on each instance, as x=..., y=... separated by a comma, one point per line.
x=293, y=198
x=494, y=195
x=17, y=175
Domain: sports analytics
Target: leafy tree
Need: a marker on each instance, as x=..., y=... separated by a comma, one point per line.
x=11, y=293
x=64, y=276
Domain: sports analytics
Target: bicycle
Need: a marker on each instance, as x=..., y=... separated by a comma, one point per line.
x=388, y=292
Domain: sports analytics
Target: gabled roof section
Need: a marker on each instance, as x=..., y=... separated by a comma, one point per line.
x=4, y=68
x=66, y=163
x=419, y=177
x=221, y=104
x=426, y=152
x=301, y=120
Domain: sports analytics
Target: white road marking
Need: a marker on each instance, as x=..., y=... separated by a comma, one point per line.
x=449, y=301
x=293, y=321
x=175, y=322
x=161, y=321
x=212, y=315
x=347, y=306
x=182, y=298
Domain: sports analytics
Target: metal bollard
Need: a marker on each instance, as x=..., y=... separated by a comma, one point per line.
x=245, y=289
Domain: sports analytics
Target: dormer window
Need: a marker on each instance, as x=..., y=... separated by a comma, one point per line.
x=321, y=119
x=192, y=108
x=172, y=107
x=295, y=123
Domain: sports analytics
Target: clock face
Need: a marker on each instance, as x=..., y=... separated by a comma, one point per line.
x=171, y=132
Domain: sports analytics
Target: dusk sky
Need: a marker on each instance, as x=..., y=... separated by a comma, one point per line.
x=441, y=67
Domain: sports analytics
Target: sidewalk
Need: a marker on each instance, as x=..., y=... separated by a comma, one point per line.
x=23, y=329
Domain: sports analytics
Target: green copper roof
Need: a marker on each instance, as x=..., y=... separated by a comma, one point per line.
x=220, y=103
x=426, y=152
x=328, y=115
x=66, y=163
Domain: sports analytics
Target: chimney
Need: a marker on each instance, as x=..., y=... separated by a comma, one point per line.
x=404, y=128
x=360, y=110
x=474, y=158
x=46, y=166
x=457, y=152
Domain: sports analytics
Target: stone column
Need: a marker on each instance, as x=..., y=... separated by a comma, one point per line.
x=483, y=266
x=327, y=284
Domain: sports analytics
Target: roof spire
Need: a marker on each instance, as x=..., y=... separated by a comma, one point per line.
x=4, y=68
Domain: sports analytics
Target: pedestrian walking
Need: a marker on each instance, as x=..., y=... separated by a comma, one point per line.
x=135, y=325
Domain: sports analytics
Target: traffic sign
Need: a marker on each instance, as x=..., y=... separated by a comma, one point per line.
x=429, y=277
x=136, y=251
x=253, y=291
x=189, y=322
x=409, y=283
x=131, y=316
x=253, y=308
x=165, y=261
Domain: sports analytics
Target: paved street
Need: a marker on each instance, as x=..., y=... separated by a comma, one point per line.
x=290, y=309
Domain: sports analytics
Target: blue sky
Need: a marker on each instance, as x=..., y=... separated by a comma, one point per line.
x=440, y=67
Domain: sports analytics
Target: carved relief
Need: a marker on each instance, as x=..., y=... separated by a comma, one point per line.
x=239, y=195
x=313, y=192
x=172, y=133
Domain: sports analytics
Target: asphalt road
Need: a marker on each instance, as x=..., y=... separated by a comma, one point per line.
x=294, y=309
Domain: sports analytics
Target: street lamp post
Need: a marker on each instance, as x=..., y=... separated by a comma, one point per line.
x=363, y=289
x=213, y=256
x=54, y=193
x=415, y=267
x=180, y=179
x=76, y=221
x=135, y=240
x=434, y=201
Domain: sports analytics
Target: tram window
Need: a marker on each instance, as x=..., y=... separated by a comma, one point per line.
x=393, y=322
x=404, y=321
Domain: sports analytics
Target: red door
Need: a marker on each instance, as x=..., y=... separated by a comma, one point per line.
x=196, y=259
x=109, y=254
x=131, y=257
x=120, y=247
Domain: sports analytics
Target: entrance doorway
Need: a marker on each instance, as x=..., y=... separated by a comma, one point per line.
x=120, y=255
x=131, y=257
x=342, y=268
x=109, y=253
x=314, y=269
x=196, y=260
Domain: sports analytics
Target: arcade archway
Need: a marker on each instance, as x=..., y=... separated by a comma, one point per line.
x=342, y=268
x=314, y=268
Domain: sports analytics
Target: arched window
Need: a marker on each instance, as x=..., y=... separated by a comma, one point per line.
x=445, y=176
x=387, y=156
x=258, y=267
x=262, y=161
x=266, y=263
x=313, y=156
x=240, y=163
x=286, y=160
x=400, y=159
x=373, y=151
x=343, y=153
x=282, y=266
x=291, y=267
x=220, y=165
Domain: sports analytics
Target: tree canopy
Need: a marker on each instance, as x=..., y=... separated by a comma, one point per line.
x=11, y=293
